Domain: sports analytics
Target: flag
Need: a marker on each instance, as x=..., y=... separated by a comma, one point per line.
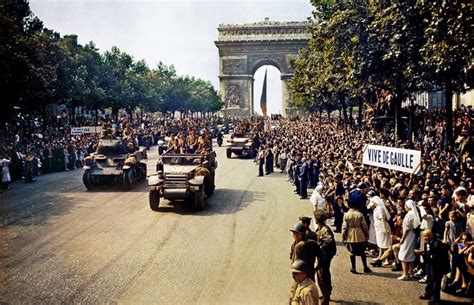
x=263, y=98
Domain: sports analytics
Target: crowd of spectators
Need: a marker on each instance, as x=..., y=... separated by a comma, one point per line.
x=403, y=213
x=399, y=209
x=30, y=146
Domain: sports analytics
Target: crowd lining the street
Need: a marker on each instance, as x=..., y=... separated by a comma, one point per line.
x=421, y=224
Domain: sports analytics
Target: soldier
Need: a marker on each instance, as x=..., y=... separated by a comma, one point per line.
x=305, y=249
x=128, y=134
x=327, y=243
x=305, y=291
x=306, y=221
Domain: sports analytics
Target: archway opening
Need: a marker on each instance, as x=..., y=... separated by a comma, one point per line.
x=274, y=90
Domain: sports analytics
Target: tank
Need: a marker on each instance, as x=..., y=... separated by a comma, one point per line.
x=115, y=162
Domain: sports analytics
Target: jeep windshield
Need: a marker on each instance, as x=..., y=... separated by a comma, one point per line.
x=246, y=135
x=191, y=159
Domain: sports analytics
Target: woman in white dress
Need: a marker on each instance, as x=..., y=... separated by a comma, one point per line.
x=6, y=178
x=382, y=227
x=408, y=242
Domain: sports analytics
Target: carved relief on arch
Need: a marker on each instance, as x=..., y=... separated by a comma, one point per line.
x=233, y=66
x=233, y=97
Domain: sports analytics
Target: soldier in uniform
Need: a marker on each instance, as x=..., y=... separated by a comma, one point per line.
x=327, y=243
x=306, y=221
x=305, y=249
x=305, y=291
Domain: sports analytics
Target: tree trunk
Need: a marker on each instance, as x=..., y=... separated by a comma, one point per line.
x=329, y=114
x=130, y=114
x=359, y=112
x=449, y=114
x=344, y=111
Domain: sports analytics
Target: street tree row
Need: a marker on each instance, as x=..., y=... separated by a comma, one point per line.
x=358, y=48
x=40, y=68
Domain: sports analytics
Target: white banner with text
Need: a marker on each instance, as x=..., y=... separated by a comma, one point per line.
x=399, y=159
x=76, y=131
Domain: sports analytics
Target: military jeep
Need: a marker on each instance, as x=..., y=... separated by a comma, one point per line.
x=183, y=177
x=240, y=144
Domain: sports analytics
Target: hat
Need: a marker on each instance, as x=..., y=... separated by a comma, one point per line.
x=376, y=200
x=320, y=215
x=371, y=193
x=362, y=186
x=299, y=266
x=299, y=228
x=305, y=219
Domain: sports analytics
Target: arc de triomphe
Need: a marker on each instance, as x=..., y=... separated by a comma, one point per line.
x=243, y=48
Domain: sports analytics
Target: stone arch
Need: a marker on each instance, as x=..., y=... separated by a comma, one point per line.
x=266, y=61
x=245, y=48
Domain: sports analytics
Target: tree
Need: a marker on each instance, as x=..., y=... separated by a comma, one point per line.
x=447, y=50
x=15, y=22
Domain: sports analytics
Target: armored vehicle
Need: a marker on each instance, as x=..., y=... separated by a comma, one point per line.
x=115, y=161
x=183, y=177
x=240, y=144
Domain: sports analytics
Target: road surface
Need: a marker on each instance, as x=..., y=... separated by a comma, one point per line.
x=63, y=244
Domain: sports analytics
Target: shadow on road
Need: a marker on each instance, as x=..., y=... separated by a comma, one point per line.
x=224, y=201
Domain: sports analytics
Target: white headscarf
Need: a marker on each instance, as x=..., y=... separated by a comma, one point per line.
x=414, y=211
x=379, y=202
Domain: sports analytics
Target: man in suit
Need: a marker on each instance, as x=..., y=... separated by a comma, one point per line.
x=435, y=255
x=303, y=178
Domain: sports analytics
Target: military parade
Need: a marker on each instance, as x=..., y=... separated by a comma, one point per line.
x=135, y=184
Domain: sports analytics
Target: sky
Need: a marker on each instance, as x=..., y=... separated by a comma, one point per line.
x=179, y=32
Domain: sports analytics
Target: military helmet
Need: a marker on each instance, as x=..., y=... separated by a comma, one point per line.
x=299, y=228
x=299, y=266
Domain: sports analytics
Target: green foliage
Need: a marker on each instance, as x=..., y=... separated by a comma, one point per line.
x=360, y=47
x=39, y=67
